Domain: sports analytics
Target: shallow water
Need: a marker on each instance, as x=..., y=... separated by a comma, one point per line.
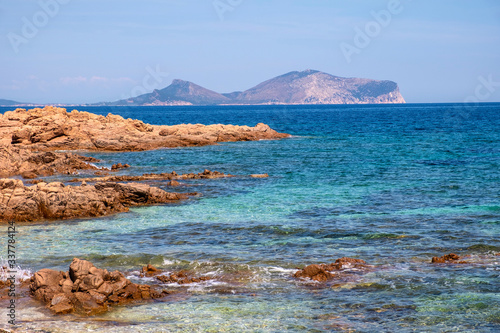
x=393, y=185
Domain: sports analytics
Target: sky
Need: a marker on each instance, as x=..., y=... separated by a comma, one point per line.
x=87, y=51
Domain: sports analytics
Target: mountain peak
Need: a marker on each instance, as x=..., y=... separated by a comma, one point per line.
x=179, y=82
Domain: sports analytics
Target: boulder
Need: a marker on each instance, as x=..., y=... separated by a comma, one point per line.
x=448, y=258
x=85, y=289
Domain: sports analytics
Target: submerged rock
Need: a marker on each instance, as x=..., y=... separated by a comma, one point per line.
x=182, y=277
x=119, y=166
x=207, y=174
x=323, y=272
x=150, y=270
x=86, y=290
x=264, y=175
x=448, y=258
x=57, y=201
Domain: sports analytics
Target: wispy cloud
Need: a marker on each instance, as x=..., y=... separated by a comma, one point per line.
x=94, y=80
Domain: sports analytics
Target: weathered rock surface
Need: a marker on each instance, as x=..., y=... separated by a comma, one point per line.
x=86, y=290
x=53, y=128
x=29, y=164
x=323, y=272
x=57, y=201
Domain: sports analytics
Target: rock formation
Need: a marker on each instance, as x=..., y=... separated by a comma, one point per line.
x=86, y=290
x=57, y=201
x=53, y=128
x=206, y=174
x=29, y=164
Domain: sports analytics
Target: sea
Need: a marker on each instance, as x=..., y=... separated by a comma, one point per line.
x=394, y=185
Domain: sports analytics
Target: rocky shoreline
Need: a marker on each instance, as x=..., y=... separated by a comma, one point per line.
x=29, y=144
x=85, y=290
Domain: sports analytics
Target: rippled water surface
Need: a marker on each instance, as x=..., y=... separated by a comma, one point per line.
x=393, y=185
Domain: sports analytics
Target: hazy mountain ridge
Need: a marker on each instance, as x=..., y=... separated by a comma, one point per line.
x=8, y=102
x=306, y=87
x=178, y=93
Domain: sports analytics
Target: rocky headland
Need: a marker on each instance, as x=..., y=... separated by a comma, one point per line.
x=53, y=128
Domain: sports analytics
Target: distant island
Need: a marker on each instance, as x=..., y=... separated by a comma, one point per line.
x=8, y=102
x=306, y=87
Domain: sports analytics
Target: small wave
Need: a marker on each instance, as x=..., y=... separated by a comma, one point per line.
x=6, y=271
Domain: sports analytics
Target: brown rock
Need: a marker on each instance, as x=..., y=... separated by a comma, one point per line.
x=452, y=257
x=92, y=291
x=182, y=277
x=23, y=161
x=152, y=176
x=29, y=175
x=79, y=269
x=322, y=272
x=314, y=272
x=56, y=201
x=118, y=166
x=173, y=183
x=61, y=304
x=150, y=270
x=105, y=289
x=46, y=278
x=86, y=304
x=264, y=175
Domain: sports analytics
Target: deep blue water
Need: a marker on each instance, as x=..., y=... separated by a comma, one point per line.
x=393, y=184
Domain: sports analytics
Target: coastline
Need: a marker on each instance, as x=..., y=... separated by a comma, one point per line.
x=328, y=196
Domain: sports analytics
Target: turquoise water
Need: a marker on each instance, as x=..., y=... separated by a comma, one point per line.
x=393, y=185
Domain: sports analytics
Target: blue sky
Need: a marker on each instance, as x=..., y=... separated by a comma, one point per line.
x=84, y=51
